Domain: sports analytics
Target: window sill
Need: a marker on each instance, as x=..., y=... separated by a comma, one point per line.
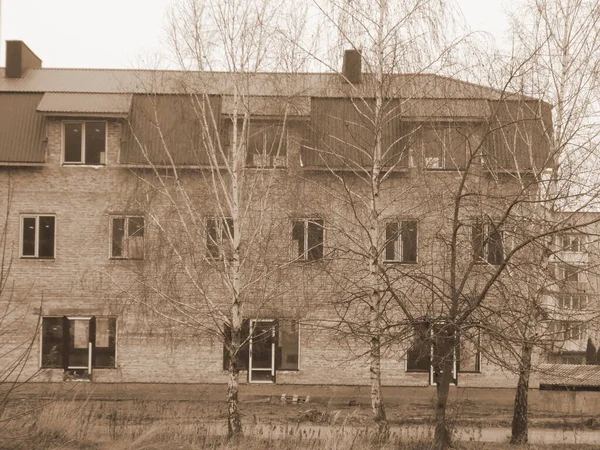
x=417, y=371
x=267, y=167
x=38, y=258
x=469, y=372
x=386, y=261
x=94, y=166
x=125, y=259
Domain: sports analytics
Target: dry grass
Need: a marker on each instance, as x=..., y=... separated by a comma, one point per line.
x=90, y=424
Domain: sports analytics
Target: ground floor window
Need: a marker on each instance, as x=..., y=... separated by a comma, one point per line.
x=432, y=344
x=268, y=345
x=78, y=344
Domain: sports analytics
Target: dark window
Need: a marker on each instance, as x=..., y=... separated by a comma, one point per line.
x=127, y=237
x=244, y=352
x=219, y=237
x=286, y=349
x=52, y=342
x=85, y=143
x=572, y=242
x=266, y=145
x=37, y=237
x=401, y=241
x=307, y=238
x=105, y=342
x=418, y=357
x=287, y=345
x=487, y=243
x=66, y=342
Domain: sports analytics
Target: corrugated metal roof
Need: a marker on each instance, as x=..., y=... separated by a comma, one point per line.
x=21, y=129
x=166, y=129
x=570, y=375
x=224, y=83
x=66, y=103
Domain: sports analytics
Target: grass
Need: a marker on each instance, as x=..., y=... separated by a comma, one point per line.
x=86, y=423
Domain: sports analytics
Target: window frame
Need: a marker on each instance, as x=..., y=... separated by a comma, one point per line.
x=306, y=253
x=263, y=127
x=483, y=254
x=581, y=243
x=569, y=305
x=398, y=245
x=125, y=248
x=37, y=217
x=66, y=334
x=82, y=162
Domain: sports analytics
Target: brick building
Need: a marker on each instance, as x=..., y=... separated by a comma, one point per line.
x=119, y=219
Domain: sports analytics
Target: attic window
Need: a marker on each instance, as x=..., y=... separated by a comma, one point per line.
x=84, y=143
x=266, y=145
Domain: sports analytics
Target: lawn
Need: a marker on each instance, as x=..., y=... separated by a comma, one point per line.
x=93, y=417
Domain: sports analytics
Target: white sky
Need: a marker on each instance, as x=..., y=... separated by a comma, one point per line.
x=127, y=33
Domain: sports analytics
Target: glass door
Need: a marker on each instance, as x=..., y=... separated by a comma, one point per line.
x=79, y=346
x=261, y=367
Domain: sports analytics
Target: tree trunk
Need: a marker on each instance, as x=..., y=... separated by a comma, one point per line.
x=376, y=398
x=442, y=437
x=234, y=422
x=519, y=422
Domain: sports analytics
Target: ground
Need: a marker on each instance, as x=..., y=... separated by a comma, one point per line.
x=141, y=416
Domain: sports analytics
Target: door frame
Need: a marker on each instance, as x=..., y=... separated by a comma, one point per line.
x=252, y=327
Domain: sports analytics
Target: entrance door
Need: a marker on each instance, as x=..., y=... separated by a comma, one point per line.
x=79, y=346
x=443, y=348
x=261, y=364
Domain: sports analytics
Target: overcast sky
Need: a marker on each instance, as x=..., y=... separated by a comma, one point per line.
x=127, y=33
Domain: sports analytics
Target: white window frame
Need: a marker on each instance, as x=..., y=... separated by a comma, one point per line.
x=293, y=251
x=126, y=236
x=398, y=247
x=581, y=242
x=37, y=236
x=275, y=161
x=83, y=148
x=484, y=259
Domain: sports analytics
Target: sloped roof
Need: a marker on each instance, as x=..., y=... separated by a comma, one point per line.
x=78, y=103
x=223, y=83
x=570, y=375
x=21, y=129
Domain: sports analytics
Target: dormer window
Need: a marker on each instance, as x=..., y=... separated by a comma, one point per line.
x=84, y=143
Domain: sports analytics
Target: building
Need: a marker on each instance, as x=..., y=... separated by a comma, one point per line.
x=118, y=218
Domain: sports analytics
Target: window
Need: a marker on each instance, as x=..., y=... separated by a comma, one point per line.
x=266, y=145
x=38, y=236
x=487, y=243
x=219, y=237
x=84, y=143
x=569, y=274
x=287, y=348
x=127, y=237
x=433, y=341
x=572, y=242
x=572, y=301
x=307, y=239
x=418, y=357
x=444, y=146
x=401, y=241
x=572, y=331
x=68, y=341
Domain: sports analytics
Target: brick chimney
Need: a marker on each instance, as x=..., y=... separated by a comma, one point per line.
x=19, y=59
x=351, y=68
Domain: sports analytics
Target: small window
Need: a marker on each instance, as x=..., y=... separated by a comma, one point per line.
x=127, y=237
x=569, y=274
x=401, y=241
x=84, y=143
x=572, y=331
x=487, y=242
x=307, y=239
x=266, y=145
x=66, y=342
x=418, y=357
x=38, y=236
x=572, y=301
x=219, y=237
x=572, y=242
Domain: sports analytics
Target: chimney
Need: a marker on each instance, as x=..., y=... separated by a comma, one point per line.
x=351, y=69
x=19, y=59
